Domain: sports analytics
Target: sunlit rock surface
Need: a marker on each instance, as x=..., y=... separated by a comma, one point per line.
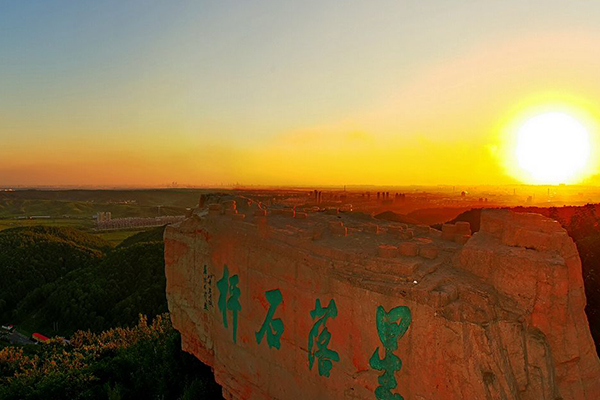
x=308, y=304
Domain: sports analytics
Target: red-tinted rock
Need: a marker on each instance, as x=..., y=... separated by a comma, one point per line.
x=410, y=249
x=429, y=251
x=387, y=251
x=501, y=317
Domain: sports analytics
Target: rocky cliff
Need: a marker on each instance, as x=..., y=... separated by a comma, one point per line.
x=287, y=304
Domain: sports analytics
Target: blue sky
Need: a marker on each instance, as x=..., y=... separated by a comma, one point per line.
x=119, y=77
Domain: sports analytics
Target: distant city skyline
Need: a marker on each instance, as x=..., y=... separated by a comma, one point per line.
x=140, y=93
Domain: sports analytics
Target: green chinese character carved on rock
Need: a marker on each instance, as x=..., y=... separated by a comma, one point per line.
x=272, y=327
x=389, y=331
x=228, y=287
x=320, y=332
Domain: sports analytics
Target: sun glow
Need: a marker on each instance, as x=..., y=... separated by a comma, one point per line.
x=552, y=148
x=551, y=144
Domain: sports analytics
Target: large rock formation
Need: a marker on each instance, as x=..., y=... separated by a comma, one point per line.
x=293, y=304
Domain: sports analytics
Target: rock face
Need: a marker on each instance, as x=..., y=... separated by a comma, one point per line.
x=327, y=306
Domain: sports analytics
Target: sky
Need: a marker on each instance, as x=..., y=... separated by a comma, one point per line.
x=266, y=92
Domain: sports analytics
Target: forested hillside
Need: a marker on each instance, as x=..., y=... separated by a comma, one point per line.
x=93, y=294
x=60, y=277
x=31, y=258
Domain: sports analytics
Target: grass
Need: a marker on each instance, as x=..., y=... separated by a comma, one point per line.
x=83, y=224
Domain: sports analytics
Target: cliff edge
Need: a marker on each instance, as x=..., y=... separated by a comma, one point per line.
x=315, y=304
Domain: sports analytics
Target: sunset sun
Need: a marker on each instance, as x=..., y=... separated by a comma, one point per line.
x=552, y=148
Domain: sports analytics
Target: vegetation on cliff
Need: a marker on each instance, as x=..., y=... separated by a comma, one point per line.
x=142, y=362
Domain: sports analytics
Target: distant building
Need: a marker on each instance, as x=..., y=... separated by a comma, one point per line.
x=103, y=216
x=38, y=337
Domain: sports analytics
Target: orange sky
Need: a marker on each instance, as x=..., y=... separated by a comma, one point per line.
x=207, y=94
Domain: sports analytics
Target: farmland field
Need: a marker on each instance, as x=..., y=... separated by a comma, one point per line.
x=77, y=208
